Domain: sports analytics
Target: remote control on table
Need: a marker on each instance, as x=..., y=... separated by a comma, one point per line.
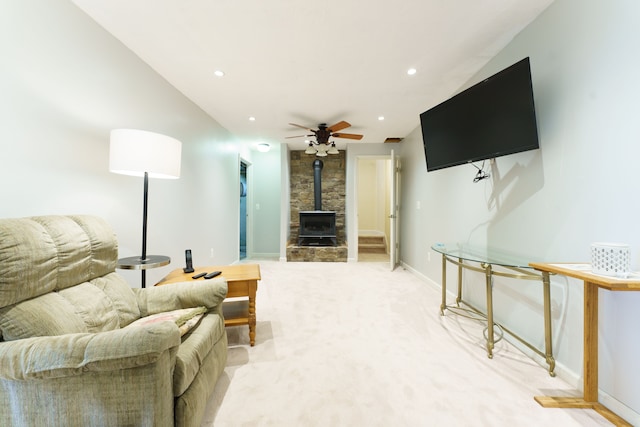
x=213, y=274
x=199, y=275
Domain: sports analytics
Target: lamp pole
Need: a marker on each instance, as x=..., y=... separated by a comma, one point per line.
x=137, y=152
x=145, y=203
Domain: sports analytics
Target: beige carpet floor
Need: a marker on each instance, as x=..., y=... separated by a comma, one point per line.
x=353, y=344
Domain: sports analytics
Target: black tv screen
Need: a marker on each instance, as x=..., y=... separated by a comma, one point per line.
x=493, y=118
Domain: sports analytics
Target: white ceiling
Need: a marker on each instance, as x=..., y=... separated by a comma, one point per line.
x=311, y=62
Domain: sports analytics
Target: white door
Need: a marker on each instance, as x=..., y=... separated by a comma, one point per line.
x=394, y=256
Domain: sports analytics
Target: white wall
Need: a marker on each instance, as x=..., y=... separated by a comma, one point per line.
x=266, y=202
x=580, y=187
x=65, y=83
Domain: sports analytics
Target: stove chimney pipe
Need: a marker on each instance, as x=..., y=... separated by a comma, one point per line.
x=317, y=184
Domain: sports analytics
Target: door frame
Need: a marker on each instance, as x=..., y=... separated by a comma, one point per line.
x=394, y=209
x=249, y=205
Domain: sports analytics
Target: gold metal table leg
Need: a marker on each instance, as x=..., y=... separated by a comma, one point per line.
x=443, y=305
x=459, y=298
x=490, y=337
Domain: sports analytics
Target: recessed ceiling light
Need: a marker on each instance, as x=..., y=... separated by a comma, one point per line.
x=252, y=119
x=411, y=71
x=218, y=73
x=381, y=118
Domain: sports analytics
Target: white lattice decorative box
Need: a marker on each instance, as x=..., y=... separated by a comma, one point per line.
x=610, y=259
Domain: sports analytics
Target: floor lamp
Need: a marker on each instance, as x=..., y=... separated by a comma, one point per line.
x=151, y=155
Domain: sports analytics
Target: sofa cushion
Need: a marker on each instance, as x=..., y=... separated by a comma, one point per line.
x=71, y=247
x=93, y=307
x=195, y=347
x=29, y=263
x=123, y=299
x=43, y=254
x=85, y=247
x=104, y=245
x=104, y=304
x=49, y=314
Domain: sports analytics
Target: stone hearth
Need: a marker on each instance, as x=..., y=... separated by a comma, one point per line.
x=317, y=253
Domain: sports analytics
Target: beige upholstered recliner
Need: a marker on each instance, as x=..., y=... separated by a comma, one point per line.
x=69, y=353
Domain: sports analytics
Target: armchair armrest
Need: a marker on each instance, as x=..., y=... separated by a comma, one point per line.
x=174, y=296
x=76, y=354
x=120, y=377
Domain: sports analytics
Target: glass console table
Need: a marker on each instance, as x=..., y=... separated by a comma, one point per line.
x=485, y=260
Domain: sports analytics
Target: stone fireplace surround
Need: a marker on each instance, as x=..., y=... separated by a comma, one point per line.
x=302, y=199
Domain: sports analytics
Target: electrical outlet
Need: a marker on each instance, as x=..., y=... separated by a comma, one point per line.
x=211, y=253
x=428, y=256
x=418, y=205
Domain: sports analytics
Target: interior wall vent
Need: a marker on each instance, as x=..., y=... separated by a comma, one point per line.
x=393, y=140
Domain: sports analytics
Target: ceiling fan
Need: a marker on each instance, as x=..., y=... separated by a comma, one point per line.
x=324, y=132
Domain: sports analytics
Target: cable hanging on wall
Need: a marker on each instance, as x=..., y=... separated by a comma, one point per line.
x=481, y=174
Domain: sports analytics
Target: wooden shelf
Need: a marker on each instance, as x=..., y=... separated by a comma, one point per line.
x=236, y=312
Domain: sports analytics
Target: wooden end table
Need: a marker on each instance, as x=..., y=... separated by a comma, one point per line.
x=592, y=283
x=242, y=281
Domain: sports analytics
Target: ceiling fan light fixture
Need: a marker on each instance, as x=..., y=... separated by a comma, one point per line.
x=333, y=149
x=310, y=149
x=321, y=153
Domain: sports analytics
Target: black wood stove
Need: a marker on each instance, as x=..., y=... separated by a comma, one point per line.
x=317, y=227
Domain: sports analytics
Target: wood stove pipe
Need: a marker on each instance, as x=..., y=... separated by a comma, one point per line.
x=317, y=184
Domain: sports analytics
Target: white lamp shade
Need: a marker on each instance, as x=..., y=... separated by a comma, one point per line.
x=134, y=152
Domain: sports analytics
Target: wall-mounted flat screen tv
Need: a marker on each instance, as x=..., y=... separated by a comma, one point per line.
x=493, y=118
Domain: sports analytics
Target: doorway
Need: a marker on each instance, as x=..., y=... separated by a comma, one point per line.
x=374, y=194
x=377, y=208
x=243, y=210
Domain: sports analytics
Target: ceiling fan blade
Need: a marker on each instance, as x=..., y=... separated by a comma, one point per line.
x=303, y=127
x=338, y=126
x=297, y=136
x=347, y=135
